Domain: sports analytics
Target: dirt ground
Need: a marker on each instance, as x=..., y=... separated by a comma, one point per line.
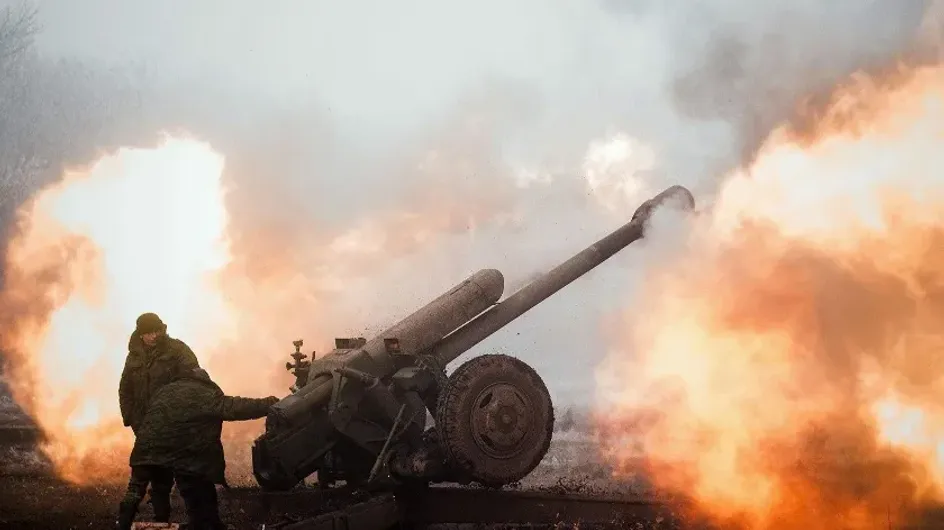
x=45, y=503
x=31, y=498
x=41, y=503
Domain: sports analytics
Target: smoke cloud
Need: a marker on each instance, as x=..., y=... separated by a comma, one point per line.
x=328, y=115
x=406, y=145
x=783, y=365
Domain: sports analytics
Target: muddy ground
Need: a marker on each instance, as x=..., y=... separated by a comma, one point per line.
x=31, y=498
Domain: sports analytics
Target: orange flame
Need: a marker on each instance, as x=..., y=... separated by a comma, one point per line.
x=786, y=359
x=141, y=230
x=152, y=230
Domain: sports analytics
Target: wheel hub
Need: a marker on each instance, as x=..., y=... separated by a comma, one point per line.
x=500, y=420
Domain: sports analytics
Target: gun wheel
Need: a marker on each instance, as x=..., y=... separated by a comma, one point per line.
x=495, y=420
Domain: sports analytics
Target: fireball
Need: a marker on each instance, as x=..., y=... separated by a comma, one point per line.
x=164, y=230
x=140, y=230
x=783, y=366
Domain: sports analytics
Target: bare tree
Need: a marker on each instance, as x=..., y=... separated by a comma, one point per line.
x=18, y=26
x=52, y=112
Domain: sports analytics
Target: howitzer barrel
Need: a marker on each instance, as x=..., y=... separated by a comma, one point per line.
x=375, y=381
x=540, y=289
x=414, y=334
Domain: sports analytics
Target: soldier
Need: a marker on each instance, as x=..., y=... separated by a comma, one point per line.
x=153, y=359
x=181, y=431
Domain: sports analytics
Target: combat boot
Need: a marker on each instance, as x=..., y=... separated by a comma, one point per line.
x=126, y=513
x=161, y=506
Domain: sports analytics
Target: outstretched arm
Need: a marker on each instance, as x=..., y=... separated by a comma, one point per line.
x=241, y=408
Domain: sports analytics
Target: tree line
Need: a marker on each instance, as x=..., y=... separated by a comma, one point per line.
x=54, y=112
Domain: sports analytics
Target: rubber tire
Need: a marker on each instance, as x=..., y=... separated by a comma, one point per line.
x=455, y=429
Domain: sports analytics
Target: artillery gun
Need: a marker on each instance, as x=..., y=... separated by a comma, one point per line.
x=359, y=413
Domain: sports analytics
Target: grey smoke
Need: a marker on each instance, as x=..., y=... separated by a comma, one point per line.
x=329, y=112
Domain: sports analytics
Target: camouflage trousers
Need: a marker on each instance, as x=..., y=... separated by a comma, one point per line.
x=161, y=480
x=201, y=501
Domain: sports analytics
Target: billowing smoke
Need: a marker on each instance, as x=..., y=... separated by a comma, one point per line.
x=376, y=154
x=781, y=365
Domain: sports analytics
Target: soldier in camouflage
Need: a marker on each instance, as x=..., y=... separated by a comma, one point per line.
x=153, y=358
x=181, y=431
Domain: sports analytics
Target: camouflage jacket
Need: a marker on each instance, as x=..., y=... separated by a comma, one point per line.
x=182, y=427
x=147, y=370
